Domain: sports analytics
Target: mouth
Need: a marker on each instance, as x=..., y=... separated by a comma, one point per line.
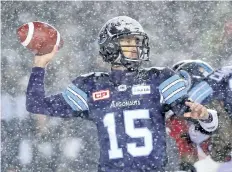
x=134, y=51
x=134, y=55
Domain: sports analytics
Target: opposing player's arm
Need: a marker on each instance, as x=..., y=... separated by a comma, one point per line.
x=72, y=102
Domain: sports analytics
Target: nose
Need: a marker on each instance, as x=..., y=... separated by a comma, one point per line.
x=134, y=49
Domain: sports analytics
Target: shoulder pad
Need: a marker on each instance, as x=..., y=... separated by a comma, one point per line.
x=95, y=74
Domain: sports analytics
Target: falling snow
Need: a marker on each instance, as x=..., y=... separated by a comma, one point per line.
x=177, y=30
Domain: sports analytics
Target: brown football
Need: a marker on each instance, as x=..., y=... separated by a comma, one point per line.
x=39, y=37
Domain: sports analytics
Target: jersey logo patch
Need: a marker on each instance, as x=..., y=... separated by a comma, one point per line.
x=141, y=89
x=100, y=95
x=122, y=88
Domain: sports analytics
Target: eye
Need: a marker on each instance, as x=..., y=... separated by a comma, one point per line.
x=137, y=41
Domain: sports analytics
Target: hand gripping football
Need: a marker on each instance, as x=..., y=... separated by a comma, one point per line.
x=39, y=37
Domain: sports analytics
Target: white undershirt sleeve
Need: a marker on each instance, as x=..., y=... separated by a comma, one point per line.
x=212, y=124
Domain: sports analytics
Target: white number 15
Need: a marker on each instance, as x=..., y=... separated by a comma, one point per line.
x=129, y=117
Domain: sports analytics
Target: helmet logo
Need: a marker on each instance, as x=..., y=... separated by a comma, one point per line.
x=201, y=69
x=111, y=45
x=102, y=40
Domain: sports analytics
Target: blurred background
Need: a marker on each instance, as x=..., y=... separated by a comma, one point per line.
x=177, y=30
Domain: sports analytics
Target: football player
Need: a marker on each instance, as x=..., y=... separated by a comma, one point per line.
x=219, y=98
x=125, y=104
x=220, y=81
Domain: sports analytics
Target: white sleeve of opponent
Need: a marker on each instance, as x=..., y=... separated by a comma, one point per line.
x=212, y=124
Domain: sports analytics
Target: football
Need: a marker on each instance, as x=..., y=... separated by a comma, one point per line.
x=39, y=37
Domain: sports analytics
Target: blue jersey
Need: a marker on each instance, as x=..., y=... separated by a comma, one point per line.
x=221, y=82
x=217, y=86
x=127, y=108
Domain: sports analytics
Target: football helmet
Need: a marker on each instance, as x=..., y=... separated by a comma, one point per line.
x=196, y=68
x=115, y=30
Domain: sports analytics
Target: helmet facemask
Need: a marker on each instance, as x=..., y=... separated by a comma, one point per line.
x=133, y=49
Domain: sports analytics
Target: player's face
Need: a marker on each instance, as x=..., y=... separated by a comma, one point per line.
x=129, y=47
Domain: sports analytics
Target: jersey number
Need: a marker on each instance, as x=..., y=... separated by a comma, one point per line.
x=220, y=74
x=129, y=117
x=217, y=76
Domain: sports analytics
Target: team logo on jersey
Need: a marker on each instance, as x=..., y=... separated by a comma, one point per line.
x=100, y=95
x=122, y=88
x=141, y=89
x=115, y=104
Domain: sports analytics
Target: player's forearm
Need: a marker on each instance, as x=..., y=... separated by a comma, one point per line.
x=36, y=102
x=35, y=91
